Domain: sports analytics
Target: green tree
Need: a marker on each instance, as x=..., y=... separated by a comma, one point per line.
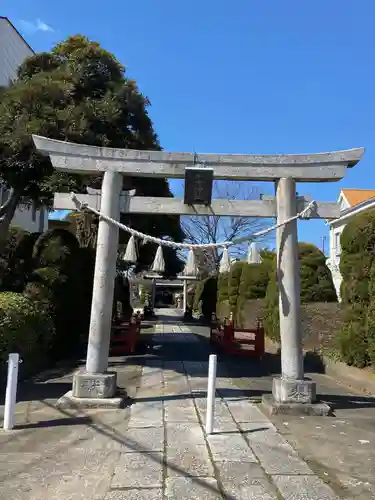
x=77, y=92
x=316, y=284
x=316, y=278
x=356, y=340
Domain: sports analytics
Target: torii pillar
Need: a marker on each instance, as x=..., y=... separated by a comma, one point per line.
x=292, y=388
x=96, y=382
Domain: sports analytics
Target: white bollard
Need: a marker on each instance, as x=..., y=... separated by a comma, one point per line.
x=11, y=391
x=211, y=390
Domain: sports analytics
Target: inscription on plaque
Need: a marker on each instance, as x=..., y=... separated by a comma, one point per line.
x=93, y=386
x=198, y=186
x=299, y=393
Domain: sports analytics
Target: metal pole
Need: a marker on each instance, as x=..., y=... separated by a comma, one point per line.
x=210, y=417
x=185, y=296
x=153, y=293
x=11, y=391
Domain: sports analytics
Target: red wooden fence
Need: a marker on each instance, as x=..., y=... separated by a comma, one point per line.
x=238, y=341
x=125, y=336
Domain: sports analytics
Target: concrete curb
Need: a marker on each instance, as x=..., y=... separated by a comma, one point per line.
x=358, y=379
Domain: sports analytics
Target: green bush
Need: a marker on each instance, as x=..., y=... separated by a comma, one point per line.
x=370, y=319
x=254, y=280
x=271, y=309
x=15, y=235
x=55, y=248
x=144, y=289
x=208, y=297
x=197, y=295
x=356, y=340
x=27, y=328
x=57, y=276
x=190, y=296
x=252, y=287
x=222, y=287
x=352, y=339
x=316, y=286
x=355, y=270
x=122, y=296
x=60, y=294
x=234, y=284
x=316, y=279
x=16, y=260
x=64, y=286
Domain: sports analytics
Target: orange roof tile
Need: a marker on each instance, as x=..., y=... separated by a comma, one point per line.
x=356, y=196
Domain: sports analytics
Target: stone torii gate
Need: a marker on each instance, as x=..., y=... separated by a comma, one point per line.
x=97, y=386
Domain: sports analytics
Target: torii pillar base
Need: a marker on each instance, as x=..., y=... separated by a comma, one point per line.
x=294, y=397
x=68, y=401
x=94, y=390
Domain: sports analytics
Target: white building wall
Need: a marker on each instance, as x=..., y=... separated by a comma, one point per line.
x=333, y=262
x=34, y=221
x=13, y=51
x=336, y=229
x=30, y=219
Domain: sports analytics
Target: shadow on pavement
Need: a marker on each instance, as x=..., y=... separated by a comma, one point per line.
x=347, y=401
x=34, y=391
x=111, y=433
x=168, y=350
x=57, y=422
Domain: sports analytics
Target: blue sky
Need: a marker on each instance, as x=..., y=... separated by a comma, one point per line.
x=247, y=76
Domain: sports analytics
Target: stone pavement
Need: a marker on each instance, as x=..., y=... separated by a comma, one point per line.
x=157, y=448
x=245, y=458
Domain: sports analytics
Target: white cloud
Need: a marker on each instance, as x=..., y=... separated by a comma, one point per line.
x=33, y=27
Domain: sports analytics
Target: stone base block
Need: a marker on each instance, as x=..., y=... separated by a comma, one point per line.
x=293, y=391
x=94, y=385
x=273, y=407
x=68, y=401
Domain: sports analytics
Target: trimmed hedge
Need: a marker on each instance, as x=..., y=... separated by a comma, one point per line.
x=223, y=287
x=122, y=296
x=16, y=260
x=63, y=284
x=356, y=341
x=316, y=278
x=55, y=248
x=271, y=318
x=316, y=286
x=254, y=280
x=205, y=293
x=208, y=298
x=244, y=282
x=197, y=295
x=234, y=280
x=47, y=291
x=27, y=328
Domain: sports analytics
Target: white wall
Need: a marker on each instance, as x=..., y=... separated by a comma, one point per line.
x=336, y=229
x=34, y=221
x=13, y=51
x=333, y=262
x=30, y=219
x=335, y=245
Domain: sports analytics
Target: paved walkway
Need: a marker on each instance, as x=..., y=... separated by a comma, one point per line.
x=157, y=448
x=245, y=458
